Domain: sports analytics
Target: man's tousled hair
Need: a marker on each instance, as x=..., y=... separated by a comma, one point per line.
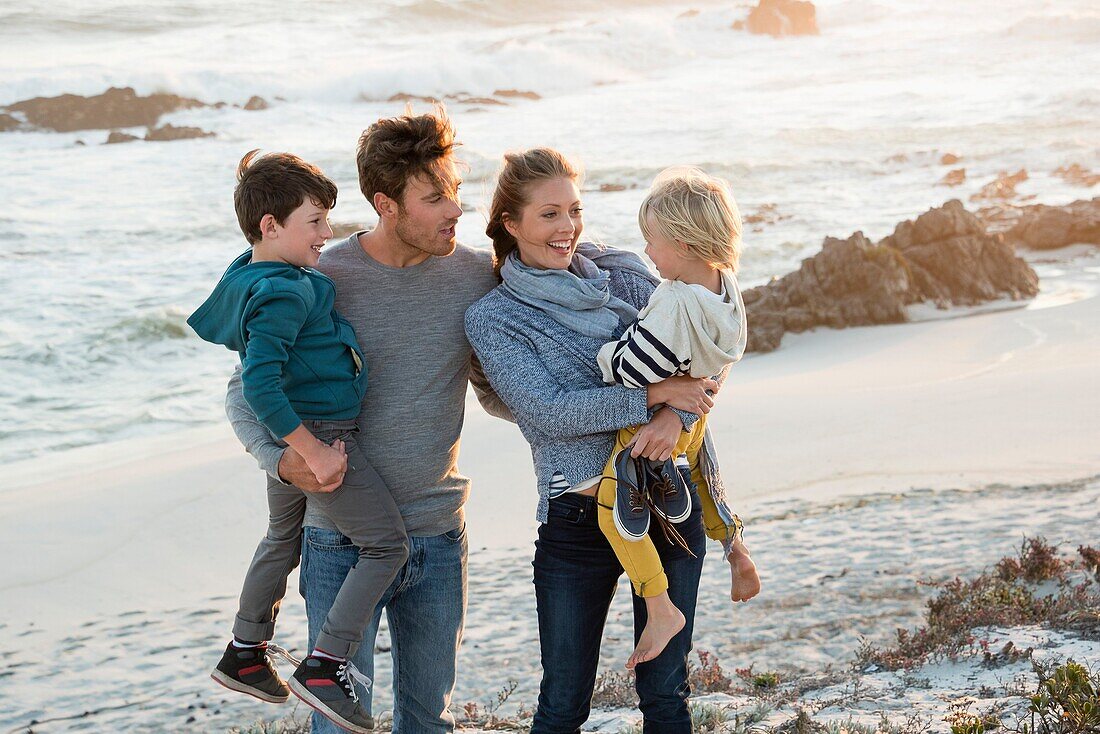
x=395, y=149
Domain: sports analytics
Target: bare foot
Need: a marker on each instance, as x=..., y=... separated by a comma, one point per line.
x=744, y=580
x=663, y=621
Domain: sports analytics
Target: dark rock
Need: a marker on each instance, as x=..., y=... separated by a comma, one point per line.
x=117, y=107
x=120, y=137
x=954, y=177
x=343, y=230
x=516, y=93
x=949, y=159
x=171, y=132
x=468, y=99
x=765, y=214
x=944, y=256
x=404, y=97
x=953, y=261
x=1042, y=227
x=783, y=18
x=7, y=123
x=256, y=103
x=1077, y=174
x=1001, y=188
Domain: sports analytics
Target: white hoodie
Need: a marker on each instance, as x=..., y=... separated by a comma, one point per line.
x=684, y=330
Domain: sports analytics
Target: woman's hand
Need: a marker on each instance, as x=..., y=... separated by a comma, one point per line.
x=656, y=439
x=689, y=394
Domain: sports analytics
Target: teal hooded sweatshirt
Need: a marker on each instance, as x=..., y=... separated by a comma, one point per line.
x=299, y=357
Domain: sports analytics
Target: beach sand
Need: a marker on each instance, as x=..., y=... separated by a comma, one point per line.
x=862, y=460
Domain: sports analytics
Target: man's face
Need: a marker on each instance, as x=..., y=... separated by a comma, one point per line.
x=430, y=210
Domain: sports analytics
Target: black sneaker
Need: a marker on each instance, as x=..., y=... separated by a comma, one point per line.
x=668, y=492
x=328, y=687
x=250, y=670
x=630, y=510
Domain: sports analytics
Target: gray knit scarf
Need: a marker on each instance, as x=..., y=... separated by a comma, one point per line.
x=577, y=298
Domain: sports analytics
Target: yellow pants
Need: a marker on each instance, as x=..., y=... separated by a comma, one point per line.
x=639, y=558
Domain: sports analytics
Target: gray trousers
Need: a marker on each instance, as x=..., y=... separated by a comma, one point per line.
x=363, y=510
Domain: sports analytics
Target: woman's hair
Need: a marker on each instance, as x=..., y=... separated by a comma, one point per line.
x=519, y=172
x=697, y=209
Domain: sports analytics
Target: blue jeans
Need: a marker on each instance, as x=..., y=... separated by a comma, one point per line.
x=425, y=607
x=576, y=573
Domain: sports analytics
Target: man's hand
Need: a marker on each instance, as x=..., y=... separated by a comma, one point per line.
x=293, y=469
x=658, y=438
x=689, y=394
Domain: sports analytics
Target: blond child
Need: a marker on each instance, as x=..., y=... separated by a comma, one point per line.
x=693, y=325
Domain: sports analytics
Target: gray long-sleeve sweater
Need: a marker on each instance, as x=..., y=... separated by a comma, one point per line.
x=409, y=324
x=547, y=374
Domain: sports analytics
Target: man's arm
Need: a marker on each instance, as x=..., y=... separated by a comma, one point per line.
x=486, y=395
x=252, y=434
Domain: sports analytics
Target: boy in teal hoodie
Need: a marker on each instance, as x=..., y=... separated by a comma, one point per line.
x=304, y=377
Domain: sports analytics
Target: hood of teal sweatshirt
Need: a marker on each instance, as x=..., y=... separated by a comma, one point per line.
x=219, y=318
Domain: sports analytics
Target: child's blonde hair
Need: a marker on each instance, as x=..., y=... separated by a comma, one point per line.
x=697, y=209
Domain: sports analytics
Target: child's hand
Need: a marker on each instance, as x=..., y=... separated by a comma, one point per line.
x=328, y=463
x=745, y=583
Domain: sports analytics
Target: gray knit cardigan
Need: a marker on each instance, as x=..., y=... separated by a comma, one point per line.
x=548, y=375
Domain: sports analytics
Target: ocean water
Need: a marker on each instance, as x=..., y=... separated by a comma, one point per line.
x=106, y=249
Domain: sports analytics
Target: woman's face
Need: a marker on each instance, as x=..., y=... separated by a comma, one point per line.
x=548, y=228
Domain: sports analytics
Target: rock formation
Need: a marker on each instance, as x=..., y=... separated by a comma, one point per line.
x=171, y=132
x=945, y=256
x=117, y=107
x=1042, y=227
x=783, y=18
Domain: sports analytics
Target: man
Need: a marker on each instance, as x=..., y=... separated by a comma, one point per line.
x=404, y=287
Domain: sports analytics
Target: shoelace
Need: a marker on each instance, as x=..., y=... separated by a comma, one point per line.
x=665, y=487
x=283, y=653
x=347, y=673
x=637, y=500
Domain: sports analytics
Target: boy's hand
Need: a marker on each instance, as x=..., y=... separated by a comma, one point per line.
x=744, y=581
x=689, y=394
x=328, y=463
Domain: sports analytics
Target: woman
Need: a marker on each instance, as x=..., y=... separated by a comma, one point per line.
x=537, y=336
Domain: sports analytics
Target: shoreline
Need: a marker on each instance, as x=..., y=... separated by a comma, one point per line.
x=862, y=460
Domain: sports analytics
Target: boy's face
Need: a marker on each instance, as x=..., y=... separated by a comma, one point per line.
x=430, y=210
x=667, y=254
x=298, y=241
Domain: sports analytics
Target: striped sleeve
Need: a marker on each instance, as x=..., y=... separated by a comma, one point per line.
x=641, y=358
x=653, y=348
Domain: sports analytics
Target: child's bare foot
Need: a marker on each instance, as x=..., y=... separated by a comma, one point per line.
x=663, y=621
x=744, y=581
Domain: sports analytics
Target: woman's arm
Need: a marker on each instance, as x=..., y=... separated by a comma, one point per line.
x=531, y=390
